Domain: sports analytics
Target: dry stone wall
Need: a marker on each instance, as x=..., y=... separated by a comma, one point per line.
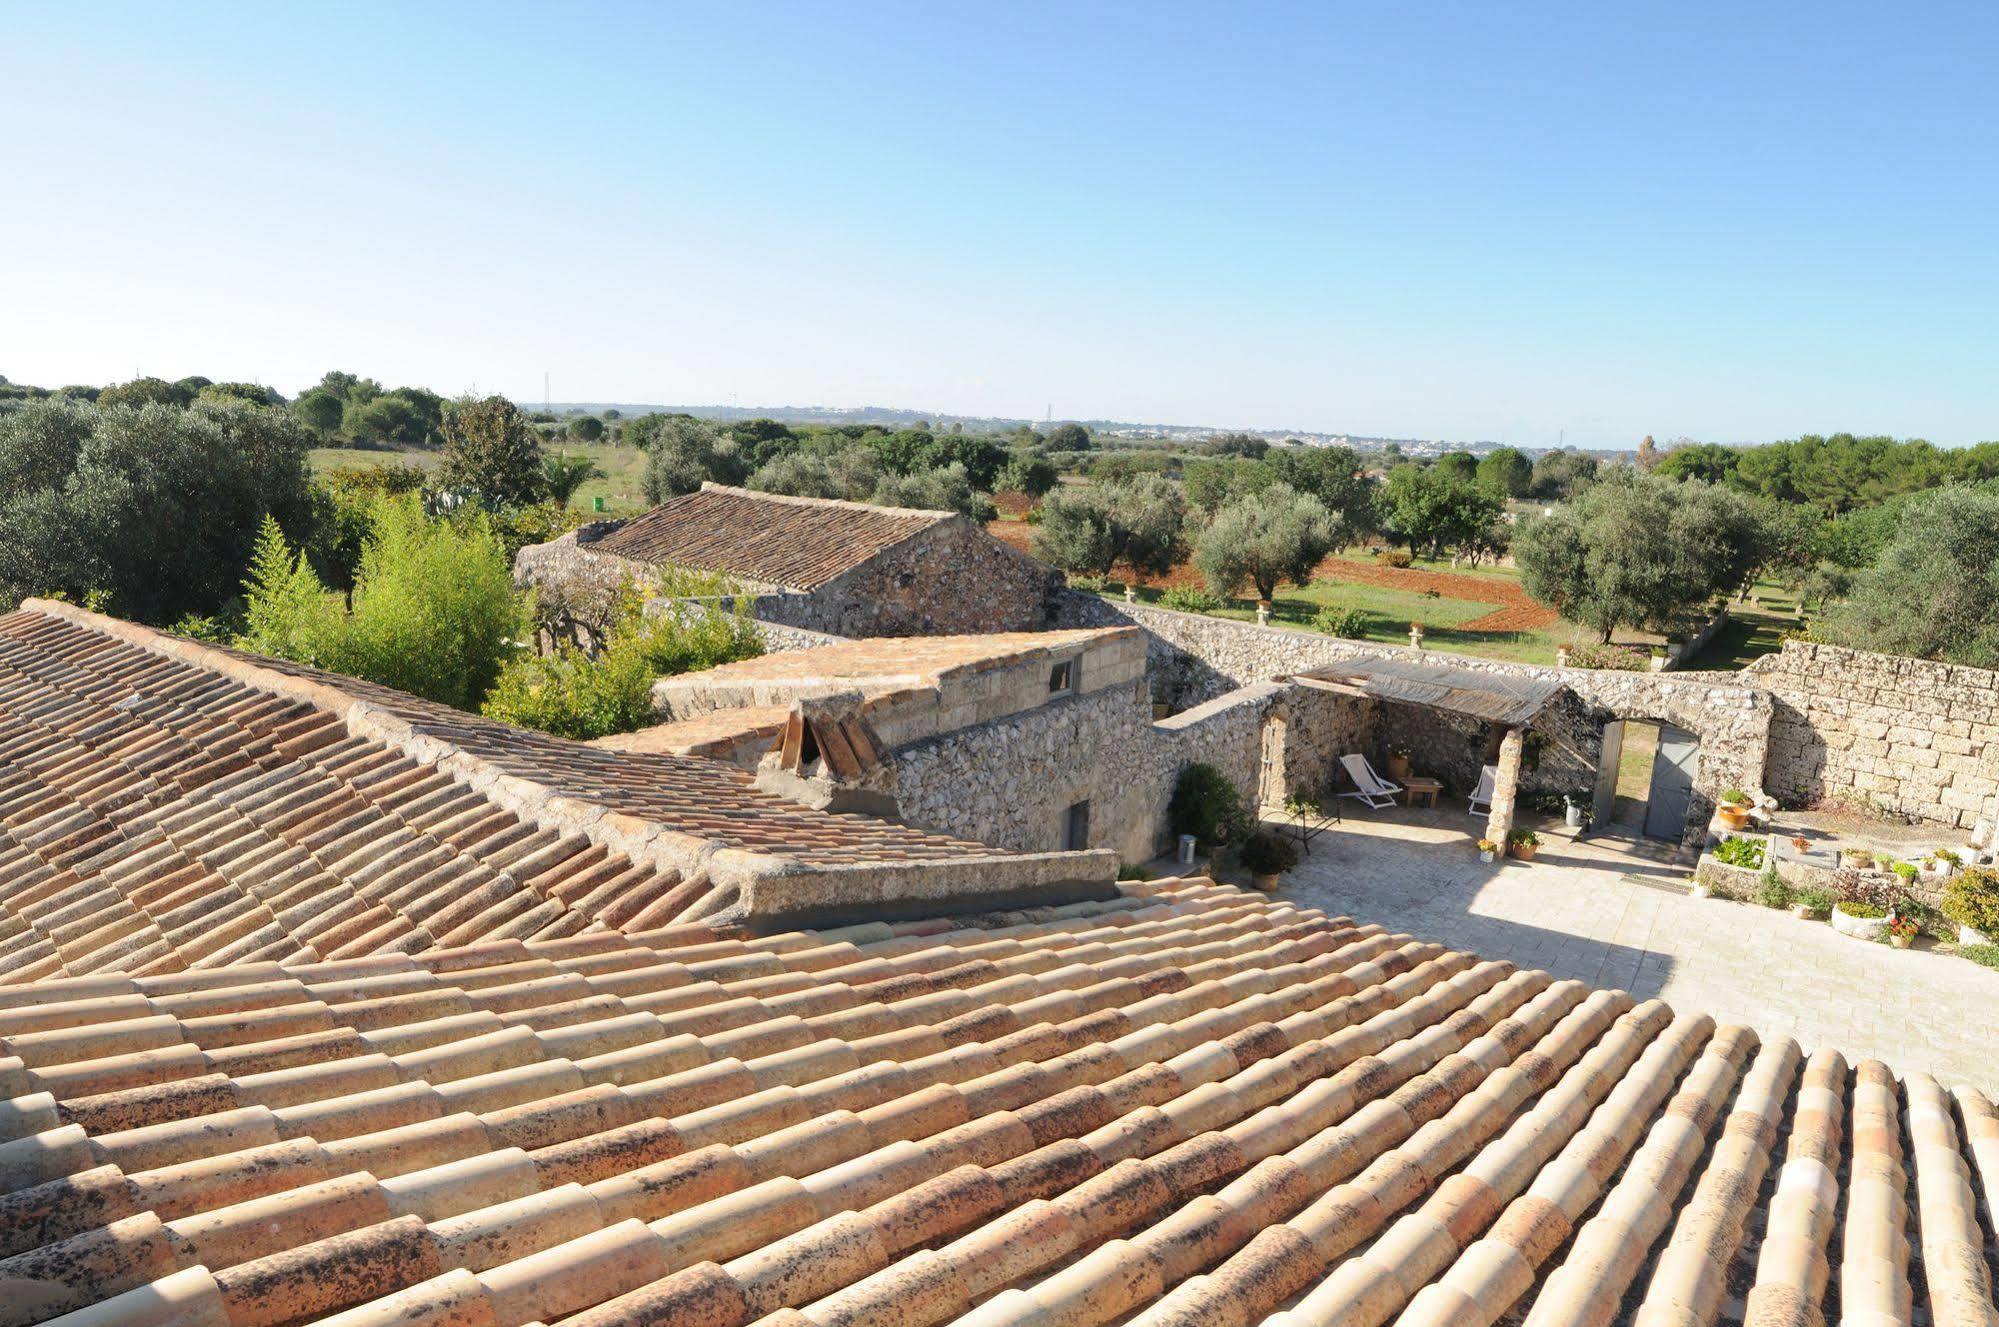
x=1907, y=737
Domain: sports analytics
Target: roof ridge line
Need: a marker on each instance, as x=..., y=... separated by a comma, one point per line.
x=710, y=486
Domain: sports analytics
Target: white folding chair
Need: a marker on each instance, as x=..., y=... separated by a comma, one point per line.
x=1487, y=777
x=1369, y=787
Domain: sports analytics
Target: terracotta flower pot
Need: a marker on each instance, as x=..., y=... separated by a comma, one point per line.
x=1398, y=767
x=1525, y=851
x=1900, y=941
x=1802, y=911
x=1733, y=814
x=1264, y=880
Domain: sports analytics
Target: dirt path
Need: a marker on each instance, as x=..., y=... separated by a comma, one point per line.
x=1513, y=610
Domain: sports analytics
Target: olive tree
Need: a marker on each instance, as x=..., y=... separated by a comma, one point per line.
x=490, y=449
x=1639, y=550
x=1264, y=538
x=1089, y=530
x=1934, y=592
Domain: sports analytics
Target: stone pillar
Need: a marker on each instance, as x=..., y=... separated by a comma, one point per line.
x=1506, y=787
x=1262, y=614
x=1415, y=635
x=1561, y=656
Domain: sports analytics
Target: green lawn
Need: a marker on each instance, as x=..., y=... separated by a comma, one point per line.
x=621, y=487
x=1753, y=630
x=1389, y=613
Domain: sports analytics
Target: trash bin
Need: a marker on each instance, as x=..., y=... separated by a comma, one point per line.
x=1187, y=849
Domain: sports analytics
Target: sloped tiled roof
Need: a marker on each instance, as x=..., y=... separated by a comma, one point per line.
x=796, y=543
x=165, y=805
x=1184, y=1105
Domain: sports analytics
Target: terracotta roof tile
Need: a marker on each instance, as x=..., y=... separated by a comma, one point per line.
x=795, y=543
x=1183, y=1105
x=161, y=810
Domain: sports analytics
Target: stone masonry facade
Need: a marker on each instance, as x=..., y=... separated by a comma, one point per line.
x=1906, y=737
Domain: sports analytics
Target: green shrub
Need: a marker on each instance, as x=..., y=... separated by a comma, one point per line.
x=574, y=693
x=434, y=609
x=1134, y=871
x=1865, y=911
x=1906, y=871
x=1972, y=899
x=1264, y=853
x=1346, y=623
x=1206, y=805
x=1772, y=892
x=1089, y=584
x=1189, y=599
x=1735, y=850
x=1593, y=654
x=1879, y=892
x=1394, y=557
x=1986, y=956
x=1818, y=900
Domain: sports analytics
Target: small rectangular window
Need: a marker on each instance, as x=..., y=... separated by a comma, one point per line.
x=1076, y=828
x=1062, y=677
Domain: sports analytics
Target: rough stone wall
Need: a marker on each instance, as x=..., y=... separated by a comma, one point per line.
x=1907, y=737
x=952, y=579
x=1009, y=783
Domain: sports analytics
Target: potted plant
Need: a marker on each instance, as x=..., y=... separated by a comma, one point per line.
x=1488, y=851
x=1398, y=762
x=1901, y=930
x=1972, y=901
x=1807, y=904
x=1866, y=903
x=1733, y=808
x=1267, y=856
x=1905, y=872
x=1941, y=862
x=1856, y=859
x=1800, y=844
x=1524, y=842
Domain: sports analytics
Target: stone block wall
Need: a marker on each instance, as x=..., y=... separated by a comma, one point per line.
x=1907, y=737
x=1010, y=783
x=953, y=579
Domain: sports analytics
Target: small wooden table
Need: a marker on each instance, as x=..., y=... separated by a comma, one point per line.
x=1415, y=788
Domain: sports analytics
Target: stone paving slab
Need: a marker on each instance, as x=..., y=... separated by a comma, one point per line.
x=1574, y=912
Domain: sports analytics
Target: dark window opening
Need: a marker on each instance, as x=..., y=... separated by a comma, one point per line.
x=1076, y=828
x=1062, y=677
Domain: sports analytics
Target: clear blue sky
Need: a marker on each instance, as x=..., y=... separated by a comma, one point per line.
x=1460, y=221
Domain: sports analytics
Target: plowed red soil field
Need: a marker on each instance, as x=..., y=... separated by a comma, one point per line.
x=1513, y=610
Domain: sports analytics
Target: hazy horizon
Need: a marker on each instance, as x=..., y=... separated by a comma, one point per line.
x=1457, y=223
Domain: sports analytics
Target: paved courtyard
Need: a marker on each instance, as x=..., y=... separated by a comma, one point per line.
x=1583, y=910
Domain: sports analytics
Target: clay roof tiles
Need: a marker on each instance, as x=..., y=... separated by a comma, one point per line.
x=1186, y=1104
x=795, y=543
x=168, y=806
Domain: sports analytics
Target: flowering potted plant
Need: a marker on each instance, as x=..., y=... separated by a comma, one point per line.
x=1524, y=842
x=1941, y=862
x=1487, y=851
x=1857, y=859
x=1733, y=808
x=1398, y=762
x=1901, y=930
x=1800, y=843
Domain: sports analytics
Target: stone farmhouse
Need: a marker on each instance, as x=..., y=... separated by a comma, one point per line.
x=841, y=567
x=320, y=1003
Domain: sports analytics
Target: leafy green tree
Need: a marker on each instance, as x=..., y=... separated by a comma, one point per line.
x=1212, y=483
x=146, y=391
x=761, y=440
x=1462, y=464
x=1027, y=472
x=1639, y=550
x=1435, y=509
x=586, y=428
x=434, y=613
x=1068, y=438
x=1335, y=476
x=1558, y=474
x=1090, y=530
x=255, y=393
x=1506, y=471
x=1235, y=444
x=947, y=488
x=346, y=387
x=392, y=418
x=682, y=453
x=489, y=448
x=319, y=410
x=848, y=473
x=156, y=506
x=1709, y=462
x=1262, y=539
x=1934, y=593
